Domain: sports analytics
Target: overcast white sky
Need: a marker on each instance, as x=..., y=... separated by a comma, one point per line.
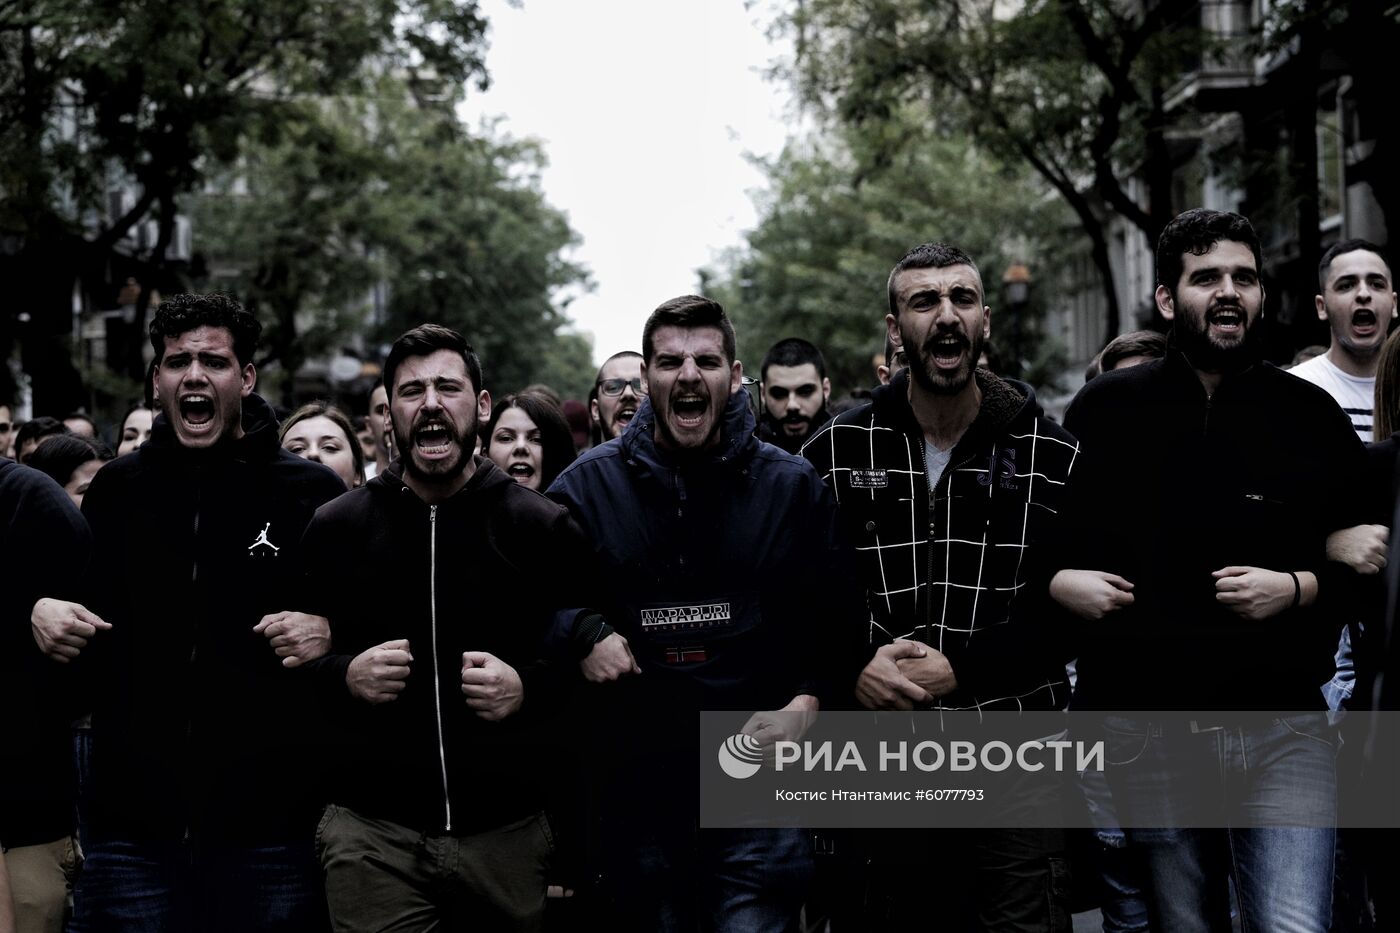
x=646, y=109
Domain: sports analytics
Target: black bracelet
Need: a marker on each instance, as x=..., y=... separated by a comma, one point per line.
x=1297, y=590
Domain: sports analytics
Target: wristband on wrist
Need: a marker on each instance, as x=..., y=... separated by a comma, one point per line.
x=1297, y=590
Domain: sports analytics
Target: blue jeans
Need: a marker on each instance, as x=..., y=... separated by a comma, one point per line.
x=1117, y=867
x=1205, y=802
x=669, y=878
x=134, y=887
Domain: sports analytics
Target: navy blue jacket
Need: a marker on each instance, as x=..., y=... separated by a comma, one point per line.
x=725, y=570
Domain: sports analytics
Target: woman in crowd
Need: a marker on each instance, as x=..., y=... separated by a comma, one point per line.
x=71, y=461
x=136, y=428
x=322, y=433
x=529, y=439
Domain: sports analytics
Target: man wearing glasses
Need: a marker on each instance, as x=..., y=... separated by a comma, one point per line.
x=616, y=395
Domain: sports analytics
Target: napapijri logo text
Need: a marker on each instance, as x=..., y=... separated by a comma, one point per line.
x=685, y=617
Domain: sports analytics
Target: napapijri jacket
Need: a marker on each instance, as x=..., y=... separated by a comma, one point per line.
x=485, y=570
x=969, y=575
x=725, y=570
x=197, y=729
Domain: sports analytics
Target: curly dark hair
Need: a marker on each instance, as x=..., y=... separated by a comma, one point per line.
x=180, y=314
x=1196, y=231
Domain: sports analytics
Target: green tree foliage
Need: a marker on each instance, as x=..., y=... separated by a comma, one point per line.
x=162, y=93
x=381, y=209
x=830, y=230
x=1073, y=89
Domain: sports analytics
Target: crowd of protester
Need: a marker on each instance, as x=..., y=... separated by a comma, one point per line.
x=438, y=664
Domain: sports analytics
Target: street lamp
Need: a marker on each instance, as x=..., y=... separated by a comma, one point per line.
x=1016, y=293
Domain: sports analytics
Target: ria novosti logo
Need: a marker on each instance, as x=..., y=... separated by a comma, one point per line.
x=741, y=756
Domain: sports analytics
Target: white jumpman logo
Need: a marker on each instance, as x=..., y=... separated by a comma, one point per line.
x=262, y=539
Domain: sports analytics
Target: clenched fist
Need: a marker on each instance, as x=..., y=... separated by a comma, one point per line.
x=380, y=674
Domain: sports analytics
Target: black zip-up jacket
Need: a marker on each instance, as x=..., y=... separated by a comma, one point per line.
x=483, y=571
x=44, y=546
x=1176, y=485
x=198, y=730
x=970, y=576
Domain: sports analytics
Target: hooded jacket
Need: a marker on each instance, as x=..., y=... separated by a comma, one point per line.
x=484, y=570
x=726, y=571
x=969, y=577
x=1177, y=485
x=198, y=730
x=44, y=546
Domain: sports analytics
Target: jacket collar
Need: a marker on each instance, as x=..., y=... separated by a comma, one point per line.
x=1003, y=401
x=259, y=440
x=487, y=477
x=737, y=444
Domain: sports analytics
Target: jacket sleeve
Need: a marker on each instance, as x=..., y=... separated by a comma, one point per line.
x=322, y=583
x=548, y=678
x=1040, y=637
x=834, y=646
x=46, y=549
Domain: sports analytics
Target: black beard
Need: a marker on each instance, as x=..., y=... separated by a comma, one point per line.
x=792, y=443
x=466, y=442
x=1195, y=343
x=930, y=379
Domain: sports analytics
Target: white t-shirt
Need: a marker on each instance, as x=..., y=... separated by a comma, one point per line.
x=1356, y=394
x=935, y=462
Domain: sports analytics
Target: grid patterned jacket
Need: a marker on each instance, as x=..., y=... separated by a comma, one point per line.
x=969, y=576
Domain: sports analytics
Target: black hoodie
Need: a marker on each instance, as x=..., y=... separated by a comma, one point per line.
x=198, y=731
x=483, y=571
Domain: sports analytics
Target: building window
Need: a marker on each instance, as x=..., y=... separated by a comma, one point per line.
x=1329, y=165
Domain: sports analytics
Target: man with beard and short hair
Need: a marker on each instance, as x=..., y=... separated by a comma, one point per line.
x=1357, y=300
x=617, y=393
x=204, y=798
x=440, y=697
x=795, y=390
x=949, y=482
x=694, y=516
x=1215, y=597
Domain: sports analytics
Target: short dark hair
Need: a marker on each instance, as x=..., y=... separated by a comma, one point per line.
x=180, y=314
x=928, y=256
x=42, y=426
x=1196, y=231
x=60, y=455
x=1134, y=343
x=688, y=311
x=556, y=438
x=793, y=351
x=425, y=340
x=1355, y=244
x=620, y=355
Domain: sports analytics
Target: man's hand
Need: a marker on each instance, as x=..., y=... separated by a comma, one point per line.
x=62, y=629
x=788, y=724
x=609, y=659
x=492, y=686
x=932, y=671
x=882, y=685
x=1091, y=594
x=1363, y=548
x=295, y=636
x=1252, y=592
x=380, y=674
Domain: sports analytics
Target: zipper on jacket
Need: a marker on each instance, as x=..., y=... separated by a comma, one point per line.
x=437, y=686
x=680, y=512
